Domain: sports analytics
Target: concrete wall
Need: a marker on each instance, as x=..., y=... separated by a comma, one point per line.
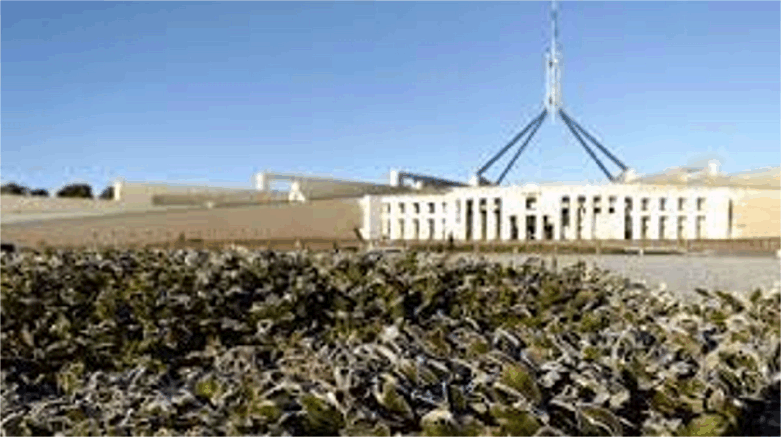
x=757, y=213
x=318, y=187
x=325, y=189
x=333, y=219
x=10, y=204
x=371, y=212
x=143, y=193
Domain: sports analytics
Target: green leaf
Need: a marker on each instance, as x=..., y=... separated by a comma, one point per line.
x=706, y=425
x=519, y=378
x=322, y=418
x=515, y=421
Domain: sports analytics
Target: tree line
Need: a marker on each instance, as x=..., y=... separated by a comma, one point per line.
x=80, y=191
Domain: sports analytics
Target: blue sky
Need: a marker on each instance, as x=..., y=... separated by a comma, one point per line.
x=212, y=92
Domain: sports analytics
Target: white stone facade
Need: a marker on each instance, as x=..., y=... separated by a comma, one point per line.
x=554, y=212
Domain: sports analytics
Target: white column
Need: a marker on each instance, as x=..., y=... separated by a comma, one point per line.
x=395, y=215
x=463, y=213
x=442, y=222
x=682, y=233
x=118, y=184
x=588, y=220
x=395, y=180
x=615, y=230
x=637, y=226
x=460, y=230
x=372, y=212
x=261, y=182
x=691, y=203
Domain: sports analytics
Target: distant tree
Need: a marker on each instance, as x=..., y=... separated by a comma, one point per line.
x=108, y=193
x=39, y=192
x=76, y=190
x=14, y=188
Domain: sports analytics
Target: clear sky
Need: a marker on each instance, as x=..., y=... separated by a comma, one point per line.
x=212, y=92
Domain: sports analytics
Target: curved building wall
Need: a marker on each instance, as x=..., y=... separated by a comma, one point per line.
x=328, y=219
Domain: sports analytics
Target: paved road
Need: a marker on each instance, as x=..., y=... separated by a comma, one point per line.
x=679, y=273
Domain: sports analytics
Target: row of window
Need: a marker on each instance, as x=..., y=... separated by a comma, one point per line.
x=531, y=204
x=628, y=202
x=416, y=207
x=415, y=228
x=664, y=232
x=644, y=202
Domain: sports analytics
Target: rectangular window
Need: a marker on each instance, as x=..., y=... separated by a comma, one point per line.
x=401, y=229
x=681, y=203
x=401, y=207
x=458, y=211
x=662, y=204
x=700, y=203
x=644, y=204
x=627, y=227
x=681, y=227
x=662, y=223
x=729, y=219
x=628, y=203
x=644, y=221
x=386, y=207
x=416, y=205
x=547, y=228
x=700, y=227
x=498, y=218
x=531, y=202
x=430, y=228
x=531, y=227
x=431, y=207
x=483, y=219
x=597, y=204
x=444, y=207
x=469, y=219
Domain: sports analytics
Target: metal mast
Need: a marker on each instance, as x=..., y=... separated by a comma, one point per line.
x=552, y=105
x=553, y=66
